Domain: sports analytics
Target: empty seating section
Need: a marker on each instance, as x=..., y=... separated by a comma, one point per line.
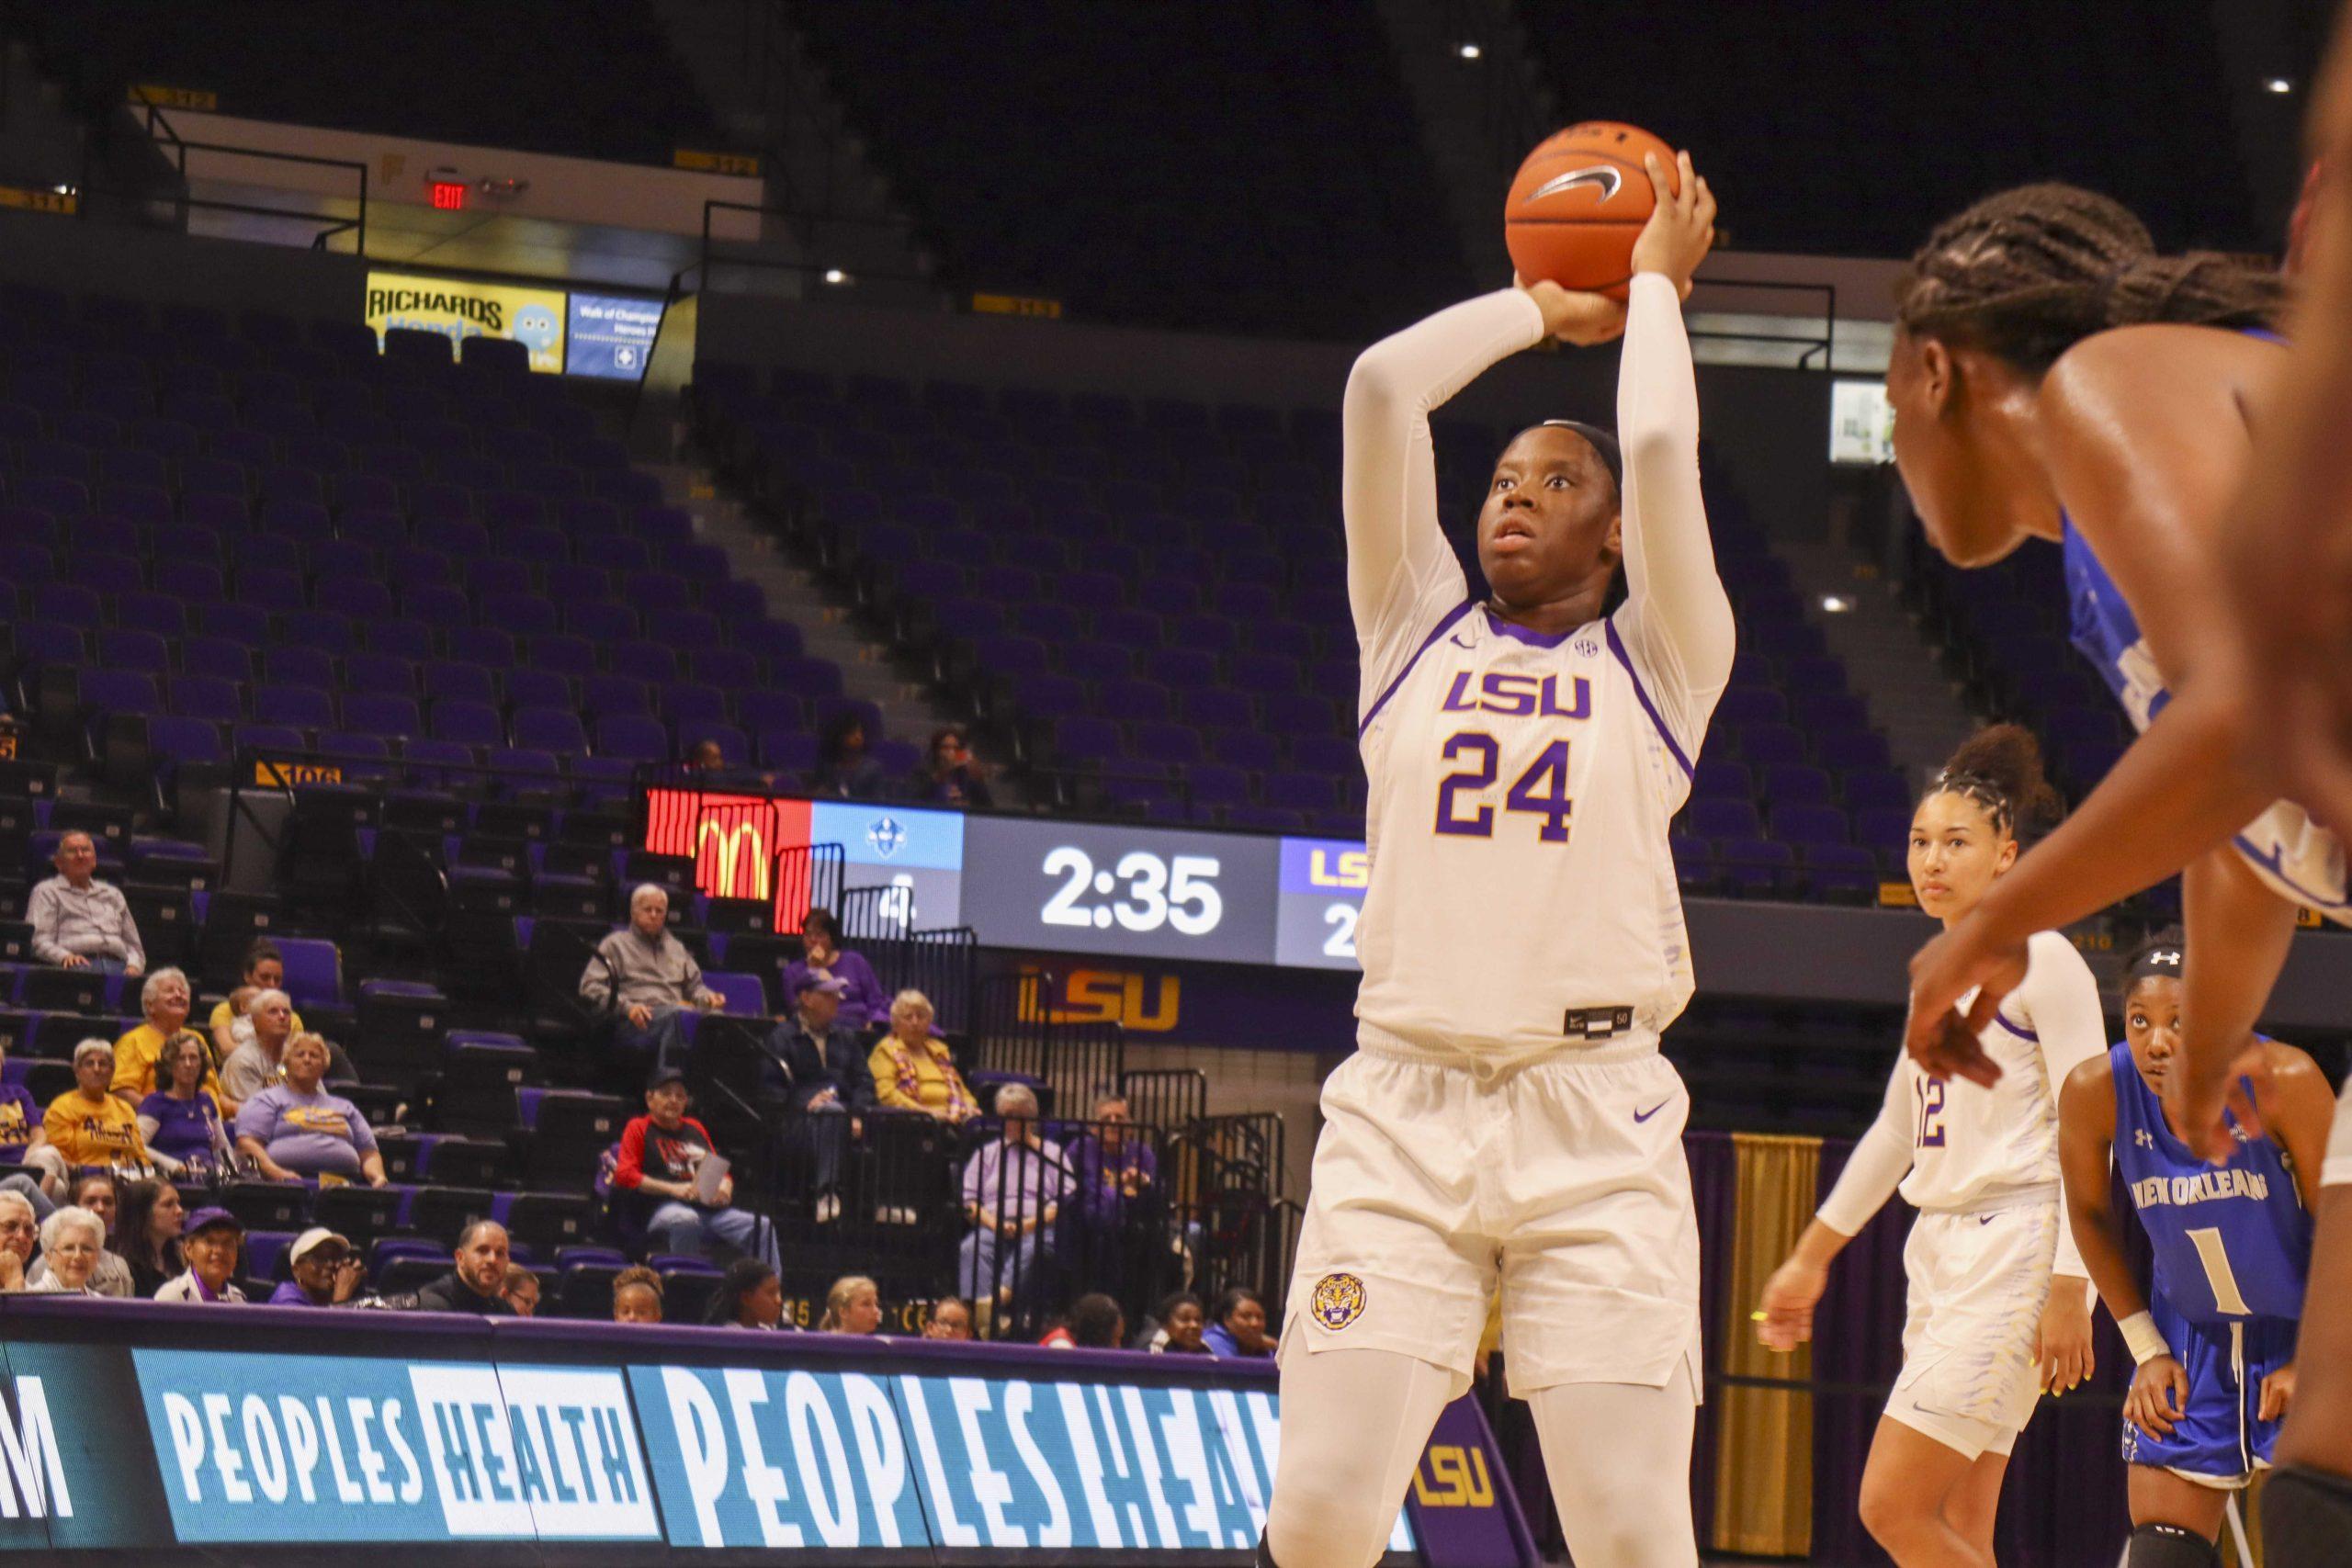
x=1100, y=154
x=1148, y=602
x=541, y=78
x=2028, y=92
x=267, y=533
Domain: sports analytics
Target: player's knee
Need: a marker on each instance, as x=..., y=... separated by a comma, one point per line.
x=1891, y=1513
x=1327, y=1515
x=2168, y=1546
x=2306, y=1518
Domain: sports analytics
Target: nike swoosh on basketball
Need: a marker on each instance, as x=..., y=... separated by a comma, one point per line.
x=1646, y=1115
x=1602, y=174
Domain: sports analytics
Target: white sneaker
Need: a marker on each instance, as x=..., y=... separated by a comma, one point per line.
x=829, y=1207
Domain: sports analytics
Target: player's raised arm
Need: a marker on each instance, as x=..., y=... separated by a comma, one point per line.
x=1399, y=560
x=1677, y=617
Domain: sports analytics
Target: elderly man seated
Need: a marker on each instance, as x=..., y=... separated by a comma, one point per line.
x=1012, y=1192
x=649, y=980
x=80, y=923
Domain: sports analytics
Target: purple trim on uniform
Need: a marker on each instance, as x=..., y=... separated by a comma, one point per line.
x=2003, y=1020
x=1436, y=632
x=1518, y=633
x=1617, y=647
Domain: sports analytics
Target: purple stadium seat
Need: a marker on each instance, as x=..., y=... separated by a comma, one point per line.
x=381, y=713
x=309, y=707
x=565, y=655
x=631, y=739
x=555, y=730
x=211, y=698
x=1719, y=817
x=315, y=628
x=144, y=651
x=314, y=971
x=412, y=640
x=1883, y=828
x=599, y=620
x=1762, y=745
x=186, y=741
x=1788, y=784
x=485, y=645
x=1844, y=751
x=1799, y=824
x=298, y=666
x=525, y=615
x=1719, y=779
x=467, y=723
x=611, y=696
x=448, y=680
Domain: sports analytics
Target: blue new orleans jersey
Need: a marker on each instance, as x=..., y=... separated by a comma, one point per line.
x=2232, y=1241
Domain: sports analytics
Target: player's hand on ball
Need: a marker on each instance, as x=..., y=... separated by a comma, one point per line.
x=2277, y=1393
x=1582, y=320
x=2159, y=1397
x=2062, y=1345
x=1787, y=1305
x=1681, y=229
x=1942, y=1041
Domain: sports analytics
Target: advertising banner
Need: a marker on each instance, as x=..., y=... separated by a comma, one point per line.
x=462, y=308
x=611, y=335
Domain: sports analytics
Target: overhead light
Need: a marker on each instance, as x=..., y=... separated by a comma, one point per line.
x=2278, y=84
x=63, y=190
x=1835, y=604
x=835, y=274
x=1468, y=51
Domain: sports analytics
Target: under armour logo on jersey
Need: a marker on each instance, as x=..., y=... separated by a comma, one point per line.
x=2167, y=958
x=1600, y=175
x=2143, y=1138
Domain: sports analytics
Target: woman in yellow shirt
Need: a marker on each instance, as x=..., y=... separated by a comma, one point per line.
x=89, y=1124
x=164, y=999
x=914, y=1070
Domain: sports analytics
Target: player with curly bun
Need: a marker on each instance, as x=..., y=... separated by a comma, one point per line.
x=1999, y=1302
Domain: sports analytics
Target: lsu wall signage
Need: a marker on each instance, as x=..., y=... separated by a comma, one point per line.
x=461, y=309
x=1151, y=1003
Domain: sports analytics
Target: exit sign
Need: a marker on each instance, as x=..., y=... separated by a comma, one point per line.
x=449, y=196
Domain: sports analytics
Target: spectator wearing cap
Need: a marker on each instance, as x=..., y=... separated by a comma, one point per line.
x=20, y=1235
x=816, y=1067
x=164, y=998
x=296, y=1129
x=80, y=923
x=1013, y=1190
x=94, y=1191
x=87, y=1123
x=521, y=1290
x=914, y=1070
x=71, y=1240
x=265, y=970
x=649, y=980
x=147, y=1234
x=184, y=1122
x=864, y=1002
x=477, y=1282
x=211, y=1241
x=326, y=1272
x=661, y=1159
x=24, y=1140
x=637, y=1295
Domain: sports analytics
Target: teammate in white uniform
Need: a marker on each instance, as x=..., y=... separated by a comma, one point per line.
x=1507, y=1123
x=1987, y=1328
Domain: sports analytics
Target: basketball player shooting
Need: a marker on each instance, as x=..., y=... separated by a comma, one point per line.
x=1507, y=1123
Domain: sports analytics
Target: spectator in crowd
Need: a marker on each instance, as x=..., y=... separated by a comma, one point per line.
x=844, y=768
x=637, y=1295
x=210, y=1242
x=87, y=1123
x=93, y=1191
x=750, y=1295
x=265, y=970
x=326, y=1272
x=706, y=767
x=295, y=1129
x=80, y=923
x=163, y=997
x=853, y=1307
x=71, y=1242
x=914, y=1070
x=1113, y=1193
x=478, y=1282
x=261, y=1061
x=24, y=1140
x=147, y=1234
x=19, y=1234
x=660, y=1158
x=522, y=1291
x=1180, y=1322
x=818, y=1070
x=649, y=980
x=1095, y=1323
x=1237, y=1326
x=951, y=776
x=950, y=1319
x=1013, y=1190
x=184, y=1122
x=864, y=1002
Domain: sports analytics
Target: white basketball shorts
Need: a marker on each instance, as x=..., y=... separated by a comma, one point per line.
x=2300, y=860
x=1562, y=1185
x=1978, y=1284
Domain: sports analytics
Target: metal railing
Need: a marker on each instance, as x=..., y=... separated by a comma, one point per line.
x=177, y=148
x=713, y=258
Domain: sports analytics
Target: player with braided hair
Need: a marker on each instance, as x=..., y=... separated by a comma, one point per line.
x=1999, y=1301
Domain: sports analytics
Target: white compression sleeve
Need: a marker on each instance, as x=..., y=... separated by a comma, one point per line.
x=1677, y=617
x=1353, y=1424
x=1879, y=1163
x=1619, y=1457
x=2062, y=1006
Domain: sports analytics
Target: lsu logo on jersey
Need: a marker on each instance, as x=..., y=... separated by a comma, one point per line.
x=1338, y=1301
x=1518, y=695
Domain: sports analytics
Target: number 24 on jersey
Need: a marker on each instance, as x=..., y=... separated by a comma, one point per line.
x=1541, y=791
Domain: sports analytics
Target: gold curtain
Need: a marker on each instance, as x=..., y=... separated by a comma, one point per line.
x=1764, y=1436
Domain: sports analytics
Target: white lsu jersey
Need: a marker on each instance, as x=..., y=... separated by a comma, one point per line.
x=1520, y=791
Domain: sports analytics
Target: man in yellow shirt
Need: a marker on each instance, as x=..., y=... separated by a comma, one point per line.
x=164, y=999
x=88, y=1124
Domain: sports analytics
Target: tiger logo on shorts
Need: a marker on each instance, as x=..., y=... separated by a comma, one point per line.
x=1338, y=1301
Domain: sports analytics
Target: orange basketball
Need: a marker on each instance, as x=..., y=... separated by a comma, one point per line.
x=1577, y=204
